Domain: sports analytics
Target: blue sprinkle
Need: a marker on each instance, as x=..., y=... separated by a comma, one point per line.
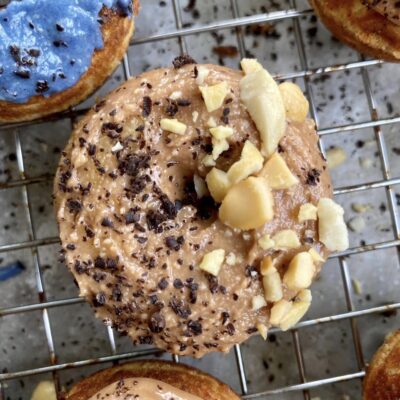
x=11, y=270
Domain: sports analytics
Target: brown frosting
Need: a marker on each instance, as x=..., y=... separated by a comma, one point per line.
x=142, y=388
x=390, y=9
x=133, y=231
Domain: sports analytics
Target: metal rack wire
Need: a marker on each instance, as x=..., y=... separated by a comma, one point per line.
x=375, y=122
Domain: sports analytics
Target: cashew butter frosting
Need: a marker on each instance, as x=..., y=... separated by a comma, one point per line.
x=135, y=227
x=142, y=389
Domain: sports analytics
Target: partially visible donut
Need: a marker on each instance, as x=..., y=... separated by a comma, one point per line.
x=382, y=381
x=54, y=54
x=141, y=233
x=369, y=26
x=388, y=8
x=145, y=375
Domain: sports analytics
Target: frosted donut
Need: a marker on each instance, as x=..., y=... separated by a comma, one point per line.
x=370, y=26
x=151, y=380
x=54, y=54
x=155, y=244
x=382, y=381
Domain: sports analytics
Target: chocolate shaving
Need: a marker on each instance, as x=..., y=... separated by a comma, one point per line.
x=99, y=262
x=182, y=60
x=190, y=7
x=99, y=105
x=225, y=317
x=112, y=129
x=183, y=103
x=157, y=323
x=74, y=206
x=172, y=243
x=225, y=115
x=212, y=283
x=313, y=177
x=42, y=86
x=195, y=327
x=180, y=308
x=226, y=51
x=230, y=329
x=146, y=106
x=23, y=73
x=163, y=283
x=154, y=219
x=133, y=164
x=178, y=284
x=172, y=108
x=168, y=206
x=251, y=272
x=91, y=149
x=117, y=294
x=106, y=222
x=131, y=216
x=79, y=268
x=145, y=340
x=89, y=232
x=99, y=300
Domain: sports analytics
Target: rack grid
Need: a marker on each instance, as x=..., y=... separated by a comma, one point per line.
x=238, y=23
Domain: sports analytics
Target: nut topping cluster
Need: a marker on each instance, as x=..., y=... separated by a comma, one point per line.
x=245, y=193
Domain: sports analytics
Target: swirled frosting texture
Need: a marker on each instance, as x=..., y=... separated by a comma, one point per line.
x=46, y=46
x=142, y=388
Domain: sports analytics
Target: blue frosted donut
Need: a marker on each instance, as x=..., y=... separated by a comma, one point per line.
x=46, y=46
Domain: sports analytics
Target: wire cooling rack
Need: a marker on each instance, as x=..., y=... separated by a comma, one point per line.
x=239, y=24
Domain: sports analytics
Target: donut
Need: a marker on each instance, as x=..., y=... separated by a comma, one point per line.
x=151, y=380
x=54, y=54
x=382, y=381
x=369, y=26
x=183, y=224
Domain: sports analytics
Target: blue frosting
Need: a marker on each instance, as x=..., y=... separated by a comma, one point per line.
x=47, y=45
